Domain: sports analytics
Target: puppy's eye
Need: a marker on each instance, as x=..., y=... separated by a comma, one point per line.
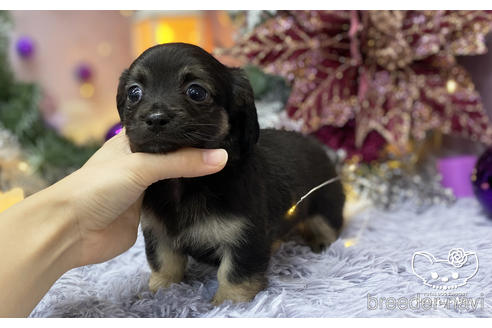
x=135, y=94
x=196, y=93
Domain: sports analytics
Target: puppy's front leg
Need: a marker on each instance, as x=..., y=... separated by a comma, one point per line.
x=172, y=270
x=241, y=275
x=167, y=265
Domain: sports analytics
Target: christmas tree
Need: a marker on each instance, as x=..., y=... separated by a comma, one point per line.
x=46, y=152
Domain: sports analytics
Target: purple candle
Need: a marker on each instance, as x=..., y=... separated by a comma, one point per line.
x=456, y=173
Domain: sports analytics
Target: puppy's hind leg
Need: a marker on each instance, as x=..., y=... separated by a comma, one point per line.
x=325, y=218
x=317, y=233
x=167, y=265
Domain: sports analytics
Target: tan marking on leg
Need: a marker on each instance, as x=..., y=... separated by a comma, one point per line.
x=317, y=233
x=172, y=263
x=276, y=245
x=304, y=232
x=242, y=292
x=173, y=266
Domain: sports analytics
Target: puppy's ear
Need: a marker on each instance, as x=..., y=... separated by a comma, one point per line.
x=244, y=118
x=121, y=94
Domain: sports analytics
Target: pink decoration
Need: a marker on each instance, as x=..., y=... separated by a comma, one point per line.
x=391, y=72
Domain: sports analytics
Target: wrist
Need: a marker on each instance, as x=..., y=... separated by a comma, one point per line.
x=61, y=235
x=37, y=250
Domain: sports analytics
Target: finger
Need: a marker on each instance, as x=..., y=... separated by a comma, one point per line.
x=119, y=143
x=188, y=162
x=115, y=147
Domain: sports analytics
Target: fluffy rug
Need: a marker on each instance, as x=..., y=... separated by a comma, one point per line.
x=371, y=278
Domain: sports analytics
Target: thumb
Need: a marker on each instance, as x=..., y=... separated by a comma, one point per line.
x=187, y=162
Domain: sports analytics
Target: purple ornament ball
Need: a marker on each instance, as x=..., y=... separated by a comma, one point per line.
x=83, y=72
x=482, y=181
x=25, y=47
x=114, y=130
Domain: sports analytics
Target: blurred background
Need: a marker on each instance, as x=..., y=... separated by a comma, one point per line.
x=401, y=99
x=77, y=57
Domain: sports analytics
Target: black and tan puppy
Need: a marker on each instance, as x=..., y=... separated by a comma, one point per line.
x=177, y=95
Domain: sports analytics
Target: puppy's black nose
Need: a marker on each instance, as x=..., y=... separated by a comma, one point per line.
x=157, y=120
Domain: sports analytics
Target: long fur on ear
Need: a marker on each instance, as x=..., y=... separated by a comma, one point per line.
x=244, y=118
x=121, y=93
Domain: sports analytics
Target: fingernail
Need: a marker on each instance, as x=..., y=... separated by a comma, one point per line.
x=214, y=157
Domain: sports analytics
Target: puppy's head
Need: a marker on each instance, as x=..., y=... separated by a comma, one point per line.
x=177, y=95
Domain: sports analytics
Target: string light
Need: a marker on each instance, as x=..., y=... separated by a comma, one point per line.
x=350, y=242
x=291, y=211
x=451, y=86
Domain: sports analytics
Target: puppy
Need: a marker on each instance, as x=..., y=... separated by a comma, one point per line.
x=177, y=95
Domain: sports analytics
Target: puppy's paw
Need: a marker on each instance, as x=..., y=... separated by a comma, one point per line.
x=237, y=293
x=161, y=280
x=321, y=241
x=216, y=301
x=317, y=246
x=221, y=296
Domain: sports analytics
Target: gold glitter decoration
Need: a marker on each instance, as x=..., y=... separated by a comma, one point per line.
x=390, y=184
x=394, y=72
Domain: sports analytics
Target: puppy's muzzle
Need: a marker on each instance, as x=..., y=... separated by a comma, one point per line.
x=155, y=122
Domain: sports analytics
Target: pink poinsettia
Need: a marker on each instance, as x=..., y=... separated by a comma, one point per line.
x=389, y=72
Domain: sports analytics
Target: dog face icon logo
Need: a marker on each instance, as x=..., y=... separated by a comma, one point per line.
x=445, y=274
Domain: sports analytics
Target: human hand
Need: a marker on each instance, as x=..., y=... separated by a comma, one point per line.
x=105, y=195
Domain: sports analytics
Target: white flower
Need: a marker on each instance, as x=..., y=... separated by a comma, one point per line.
x=457, y=257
